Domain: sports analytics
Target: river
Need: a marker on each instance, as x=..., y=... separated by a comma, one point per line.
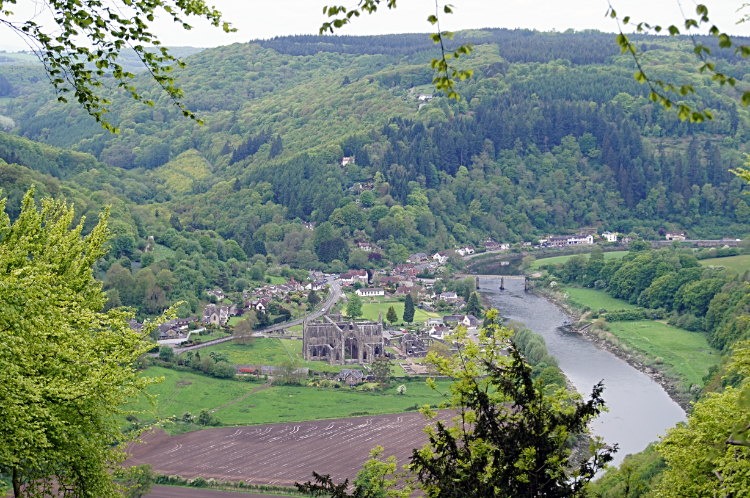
x=639, y=409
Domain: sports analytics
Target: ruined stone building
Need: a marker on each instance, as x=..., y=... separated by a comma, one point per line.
x=343, y=343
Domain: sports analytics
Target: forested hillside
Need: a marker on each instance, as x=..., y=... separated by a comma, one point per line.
x=550, y=136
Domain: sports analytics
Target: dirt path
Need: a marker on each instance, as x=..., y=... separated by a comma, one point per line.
x=264, y=386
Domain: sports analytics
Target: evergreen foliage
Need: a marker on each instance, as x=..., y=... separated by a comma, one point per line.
x=408, y=309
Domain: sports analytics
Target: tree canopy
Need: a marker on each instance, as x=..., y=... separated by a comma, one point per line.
x=66, y=367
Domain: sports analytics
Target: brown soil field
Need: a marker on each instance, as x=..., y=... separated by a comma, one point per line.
x=282, y=454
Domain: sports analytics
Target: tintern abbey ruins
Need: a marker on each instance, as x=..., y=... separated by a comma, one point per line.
x=340, y=342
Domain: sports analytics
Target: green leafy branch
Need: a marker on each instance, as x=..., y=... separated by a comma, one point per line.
x=107, y=29
x=447, y=74
x=661, y=90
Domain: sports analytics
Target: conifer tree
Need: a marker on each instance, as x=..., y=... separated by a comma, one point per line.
x=408, y=309
x=474, y=306
x=391, y=316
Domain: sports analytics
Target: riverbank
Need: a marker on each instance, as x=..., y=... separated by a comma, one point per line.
x=637, y=360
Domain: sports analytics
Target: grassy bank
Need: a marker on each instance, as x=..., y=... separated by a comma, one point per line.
x=663, y=346
x=595, y=299
x=739, y=263
x=370, y=311
x=687, y=353
x=182, y=392
x=562, y=259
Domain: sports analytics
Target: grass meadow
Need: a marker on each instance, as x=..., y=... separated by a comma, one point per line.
x=595, y=299
x=269, y=351
x=562, y=259
x=739, y=263
x=182, y=392
x=370, y=311
x=687, y=352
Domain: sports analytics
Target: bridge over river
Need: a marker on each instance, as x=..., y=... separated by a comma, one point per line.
x=502, y=278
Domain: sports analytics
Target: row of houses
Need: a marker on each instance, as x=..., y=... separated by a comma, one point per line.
x=422, y=258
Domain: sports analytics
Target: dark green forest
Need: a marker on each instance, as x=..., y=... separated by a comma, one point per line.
x=551, y=135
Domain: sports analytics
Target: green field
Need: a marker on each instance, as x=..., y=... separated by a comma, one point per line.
x=182, y=392
x=595, y=299
x=739, y=263
x=687, y=352
x=562, y=259
x=269, y=351
x=162, y=252
x=370, y=311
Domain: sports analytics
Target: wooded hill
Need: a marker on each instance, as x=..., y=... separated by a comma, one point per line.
x=551, y=135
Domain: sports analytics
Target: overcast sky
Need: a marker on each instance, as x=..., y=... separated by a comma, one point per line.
x=255, y=19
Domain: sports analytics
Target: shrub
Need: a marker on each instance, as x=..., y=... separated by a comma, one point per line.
x=199, y=482
x=659, y=360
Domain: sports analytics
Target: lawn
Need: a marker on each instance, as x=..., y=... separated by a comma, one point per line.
x=162, y=252
x=182, y=392
x=595, y=299
x=687, y=352
x=370, y=311
x=269, y=351
x=562, y=259
x=739, y=263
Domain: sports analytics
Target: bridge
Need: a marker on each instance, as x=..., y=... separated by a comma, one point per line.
x=502, y=278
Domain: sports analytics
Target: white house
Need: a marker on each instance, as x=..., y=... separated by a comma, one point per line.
x=581, y=239
x=675, y=236
x=504, y=247
x=448, y=297
x=364, y=246
x=424, y=97
x=347, y=160
x=610, y=236
x=440, y=257
x=375, y=291
x=465, y=251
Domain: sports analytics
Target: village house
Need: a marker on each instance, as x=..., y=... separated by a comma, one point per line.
x=440, y=257
x=439, y=331
x=448, y=297
x=260, y=305
x=216, y=292
x=465, y=251
x=347, y=160
x=459, y=304
x=384, y=280
x=365, y=246
x=675, y=236
x=469, y=321
x=217, y=315
x=418, y=258
x=350, y=376
x=610, y=236
x=581, y=239
x=426, y=268
x=370, y=292
x=423, y=97
x=405, y=269
x=491, y=245
x=316, y=285
x=505, y=247
x=402, y=291
x=557, y=241
x=354, y=276
x=310, y=225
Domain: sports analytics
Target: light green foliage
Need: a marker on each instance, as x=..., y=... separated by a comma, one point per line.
x=636, y=476
x=66, y=370
x=354, y=306
x=137, y=480
x=701, y=461
x=182, y=173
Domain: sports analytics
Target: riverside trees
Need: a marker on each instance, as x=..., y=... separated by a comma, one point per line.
x=66, y=367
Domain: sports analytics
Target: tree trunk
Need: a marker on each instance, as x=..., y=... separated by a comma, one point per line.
x=16, y=483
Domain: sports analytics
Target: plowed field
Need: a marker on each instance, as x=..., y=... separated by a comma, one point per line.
x=282, y=454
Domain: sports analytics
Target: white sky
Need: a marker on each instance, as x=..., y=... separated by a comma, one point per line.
x=256, y=19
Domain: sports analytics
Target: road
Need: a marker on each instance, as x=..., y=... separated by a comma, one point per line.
x=332, y=299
